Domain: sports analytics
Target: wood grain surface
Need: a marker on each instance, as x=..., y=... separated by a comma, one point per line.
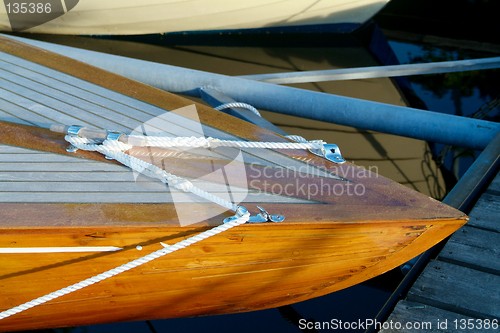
x=328, y=241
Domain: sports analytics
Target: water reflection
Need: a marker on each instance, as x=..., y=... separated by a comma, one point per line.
x=473, y=94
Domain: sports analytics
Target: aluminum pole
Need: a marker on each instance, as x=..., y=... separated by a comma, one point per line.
x=386, y=118
x=377, y=71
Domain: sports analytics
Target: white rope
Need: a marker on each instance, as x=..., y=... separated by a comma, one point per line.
x=238, y=105
x=298, y=138
x=202, y=142
x=138, y=262
x=115, y=149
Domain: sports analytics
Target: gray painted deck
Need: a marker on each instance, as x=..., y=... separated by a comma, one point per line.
x=460, y=290
x=35, y=95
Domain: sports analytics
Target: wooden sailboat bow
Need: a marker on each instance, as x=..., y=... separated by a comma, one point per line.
x=343, y=224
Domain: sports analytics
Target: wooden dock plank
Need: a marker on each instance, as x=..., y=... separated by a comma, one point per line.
x=463, y=284
x=486, y=213
x=458, y=289
x=494, y=187
x=414, y=317
x=475, y=248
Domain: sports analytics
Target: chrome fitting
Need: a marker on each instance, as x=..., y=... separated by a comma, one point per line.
x=71, y=149
x=74, y=129
x=329, y=151
x=113, y=135
x=239, y=213
x=262, y=217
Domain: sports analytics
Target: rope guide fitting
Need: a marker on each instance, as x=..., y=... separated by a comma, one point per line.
x=73, y=130
x=262, y=217
x=329, y=151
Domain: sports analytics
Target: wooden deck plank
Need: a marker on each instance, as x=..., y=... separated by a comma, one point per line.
x=62, y=109
x=124, y=176
x=10, y=117
x=120, y=104
x=128, y=197
x=46, y=177
x=475, y=248
x=8, y=149
x=141, y=186
x=8, y=158
x=34, y=166
x=416, y=317
x=71, y=90
x=458, y=289
x=91, y=177
x=74, y=105
x=113, y=116
x=81, y=84
x=88, y=96
x=50, y=187
x=28, y=111
x=18, y=98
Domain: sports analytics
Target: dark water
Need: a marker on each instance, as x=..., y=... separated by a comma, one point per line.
x=459, y=93
x=462, y=94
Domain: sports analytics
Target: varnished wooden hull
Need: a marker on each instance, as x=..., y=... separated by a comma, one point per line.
x=327, y=242
x=248, y=268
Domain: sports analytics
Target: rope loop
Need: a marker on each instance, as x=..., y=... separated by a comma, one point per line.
x=238, y=105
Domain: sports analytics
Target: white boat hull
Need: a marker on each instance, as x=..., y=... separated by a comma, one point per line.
x=131, y=17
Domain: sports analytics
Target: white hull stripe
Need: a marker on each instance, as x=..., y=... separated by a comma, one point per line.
x=58, y=249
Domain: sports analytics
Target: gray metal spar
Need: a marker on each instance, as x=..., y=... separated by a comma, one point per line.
x=377, y=71
x=409, y=122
